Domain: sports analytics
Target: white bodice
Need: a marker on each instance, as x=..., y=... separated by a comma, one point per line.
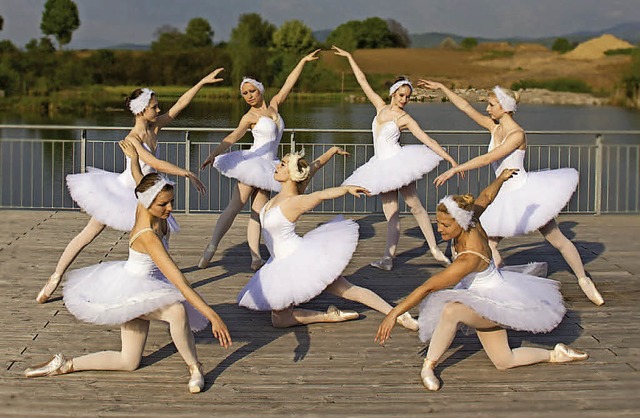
x=513, y=160
x=266, y=136
x=278, y=232
x=126, y=177
x=141, y=263
x=386, y=138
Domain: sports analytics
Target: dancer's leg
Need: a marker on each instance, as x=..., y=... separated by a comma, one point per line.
x=134, y=336
x=390, y=209
x=75, y=246
x=495, y=254
x=555, y=237
x=496, y=345
x=410, y=196
x=176, y=316
x=260, y=198
x=292, y=316
x=240, y=196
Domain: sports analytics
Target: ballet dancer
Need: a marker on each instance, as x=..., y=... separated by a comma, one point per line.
x=300, y=268
x=252, y=168
x=108, y=197
x=484, y=297
x=394, y=167
x=531, y=200
x=148, y=286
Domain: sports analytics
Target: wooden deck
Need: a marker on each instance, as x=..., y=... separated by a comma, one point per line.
x=322, y=369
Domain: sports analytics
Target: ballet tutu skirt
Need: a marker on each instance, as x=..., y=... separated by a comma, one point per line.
x=512, y=300
x=408, y=164
x=317, y=260
x=530, y=202
x=250, y=168
x=114, y=292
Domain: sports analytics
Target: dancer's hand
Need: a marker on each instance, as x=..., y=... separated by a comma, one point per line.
x=221, y=332
x=384, y=330
x=340, y=151
x=311, y=57
x=507, y=173
x=340, y=51
x=442, y=178
x=196, y=182
x=431, y=85
x=128, y=149
x=357, y=191
x=461, y=174
x=212, y=78
x=208, y=161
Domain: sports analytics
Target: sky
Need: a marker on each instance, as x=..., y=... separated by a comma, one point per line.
x=106, y=23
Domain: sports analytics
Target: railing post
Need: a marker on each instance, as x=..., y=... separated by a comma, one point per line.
x=83, y=151
x=598, y=175
x=292, y=141
x=187, y=166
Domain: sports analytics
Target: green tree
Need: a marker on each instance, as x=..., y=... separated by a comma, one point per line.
x=199, y=33
x=60, y=18
x=248, y=46
x=562, y=45
x=399, y=33
x=346, y=35
x=469, y=43
x=169, y=38
x=369, y=33
x=294, y=37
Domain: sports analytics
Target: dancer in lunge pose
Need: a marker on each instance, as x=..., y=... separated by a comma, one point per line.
x=484, y=297
x=108, y=197
x=531, y=200
x=300, y=268
x=396, y=168
x=148, y=286
x=252, y=168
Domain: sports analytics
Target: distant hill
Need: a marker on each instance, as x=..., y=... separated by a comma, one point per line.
x=130, y=47
x=322, y=35
x=630, y=32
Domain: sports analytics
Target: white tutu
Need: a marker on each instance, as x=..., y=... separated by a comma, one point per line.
x=317, y=261
x=512, y=300
x=115, y=292
x=408, y=164
x=527, y=204
x=249, y=167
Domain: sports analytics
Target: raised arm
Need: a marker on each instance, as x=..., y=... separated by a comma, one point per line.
x=482, y=120
x=511, y=143
x=456, y=271
x=229, y=140
x=129, y=150
x=409, y=123
x=293, y=208
x=318, y=163
x=165, y=166
x=487, y=195
x=153, y=246
x=184, y=100
x=362, y=79
x=291, y=80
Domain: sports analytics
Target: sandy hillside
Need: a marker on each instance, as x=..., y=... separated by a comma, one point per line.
x=595, y=48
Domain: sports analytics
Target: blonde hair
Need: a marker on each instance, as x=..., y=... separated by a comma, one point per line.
x=464, y=202
x=299, y=169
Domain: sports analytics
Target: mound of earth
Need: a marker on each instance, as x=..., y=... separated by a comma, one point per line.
x=595, y=48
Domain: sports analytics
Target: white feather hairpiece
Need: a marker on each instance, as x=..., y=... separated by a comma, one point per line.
x=256, y=83
x=464, y=218
x=140, y=103
x=399, y=84
x=507, y=102
x=147, y=197
x=296, y=174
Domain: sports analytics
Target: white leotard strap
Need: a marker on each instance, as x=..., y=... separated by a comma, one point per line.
x=137, y=235
x=485, y=259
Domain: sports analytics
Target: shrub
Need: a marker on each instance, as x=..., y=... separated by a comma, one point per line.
x=572, y=85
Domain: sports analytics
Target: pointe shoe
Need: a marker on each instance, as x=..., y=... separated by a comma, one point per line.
x=590, y=290
x=256, y=264
x=440, y=257
x=49, y=287
x=209, y=251
x=429, y=379
x=196, y=382
x=407, y=321
x=57, y=365
x=338, y=315
x=385, y=263
x=563, y=353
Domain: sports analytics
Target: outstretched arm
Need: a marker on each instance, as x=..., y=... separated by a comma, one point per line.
x=279, y=98
x=153, y=246
x=362, y=79
x=415, y=129
x=165, y=166
x=129, y=150
x=318, y=163
x=293, y=208
x=491, y=191
x=511, y=143
x=184, y=100
x=450, y=276
x=229, y=140
x=482, y=120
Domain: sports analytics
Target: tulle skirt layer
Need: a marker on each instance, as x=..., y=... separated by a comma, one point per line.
x=249, y=168
x=320, y=258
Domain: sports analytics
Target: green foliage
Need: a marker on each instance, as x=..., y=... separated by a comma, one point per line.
x=248, y=48
x=631, y=79
x=199, y=33
x=469, y=43
x=9, y=78
x=60, y=18
x=169, y=38
x=7, y=47
x=557, y=84
x=369, y=33
x=399, y=33
x=562, y=45
x=294, y=37
x=1, y=22
x=448, y=43
x=619, y=51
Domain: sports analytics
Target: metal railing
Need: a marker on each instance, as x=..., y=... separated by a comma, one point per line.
x=34, y=160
